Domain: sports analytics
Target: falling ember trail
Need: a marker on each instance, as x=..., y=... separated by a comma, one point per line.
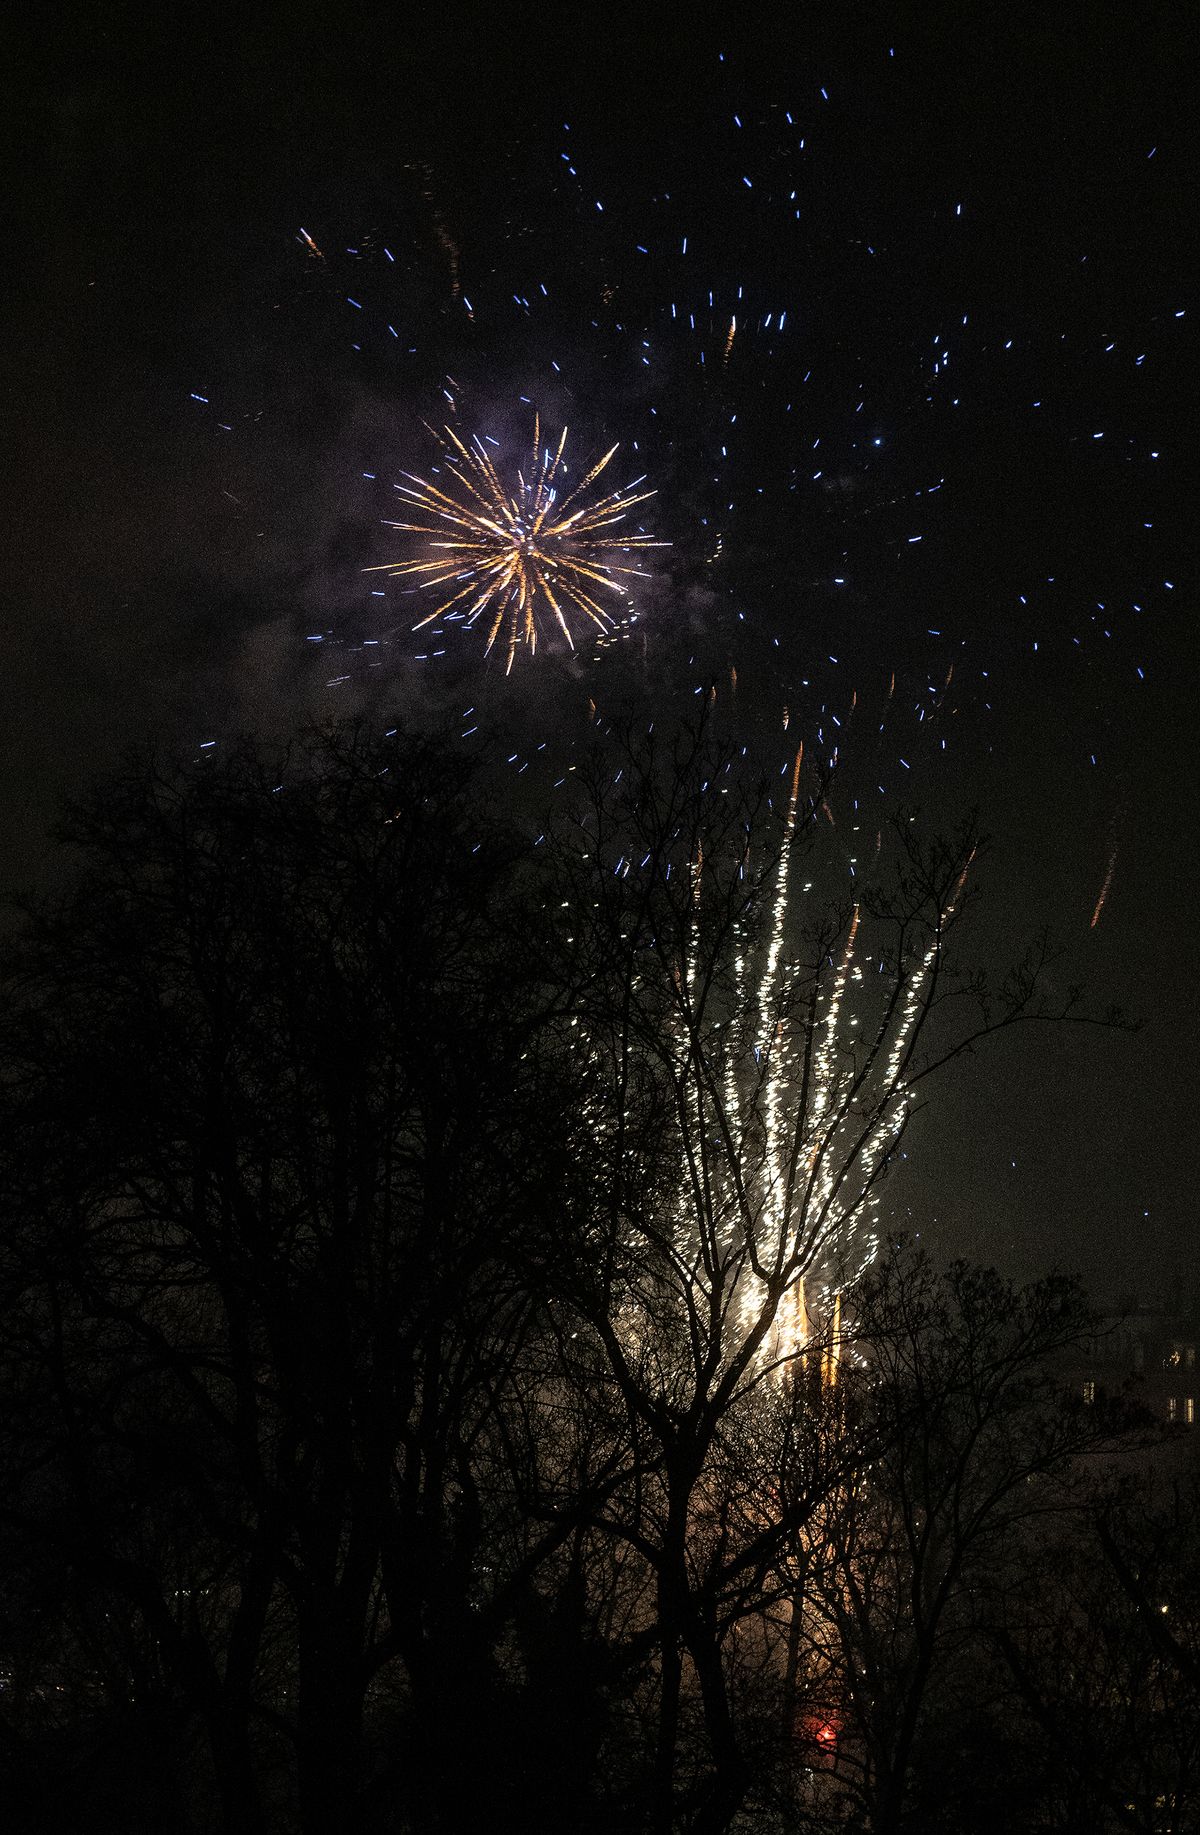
x=1112, y=861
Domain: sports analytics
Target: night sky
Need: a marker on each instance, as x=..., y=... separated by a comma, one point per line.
x=932, y=500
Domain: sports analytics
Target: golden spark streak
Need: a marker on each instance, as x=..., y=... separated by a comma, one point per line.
x=1108, y=877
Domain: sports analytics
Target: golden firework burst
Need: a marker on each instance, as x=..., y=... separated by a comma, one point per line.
x=518, y=555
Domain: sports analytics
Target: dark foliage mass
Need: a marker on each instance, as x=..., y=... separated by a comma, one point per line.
x=388, y=1441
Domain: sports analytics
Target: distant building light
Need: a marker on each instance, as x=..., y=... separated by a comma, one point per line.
x=1172, y=1408
x=1089, y=1391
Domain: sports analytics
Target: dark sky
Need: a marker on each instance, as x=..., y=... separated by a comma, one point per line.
x=965, y=453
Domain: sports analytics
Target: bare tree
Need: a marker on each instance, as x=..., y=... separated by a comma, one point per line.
x=753, y=1052
x=1101, y=1645
x=978, y=1463
x=274, y=1126
x=431, y=1281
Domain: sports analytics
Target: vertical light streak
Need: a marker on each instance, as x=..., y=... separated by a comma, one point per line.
x=1108, y=878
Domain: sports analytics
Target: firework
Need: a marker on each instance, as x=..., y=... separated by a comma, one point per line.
x=808, y=1087
x=519, y=555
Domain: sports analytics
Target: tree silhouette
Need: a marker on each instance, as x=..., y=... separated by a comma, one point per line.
x=450, y=1371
